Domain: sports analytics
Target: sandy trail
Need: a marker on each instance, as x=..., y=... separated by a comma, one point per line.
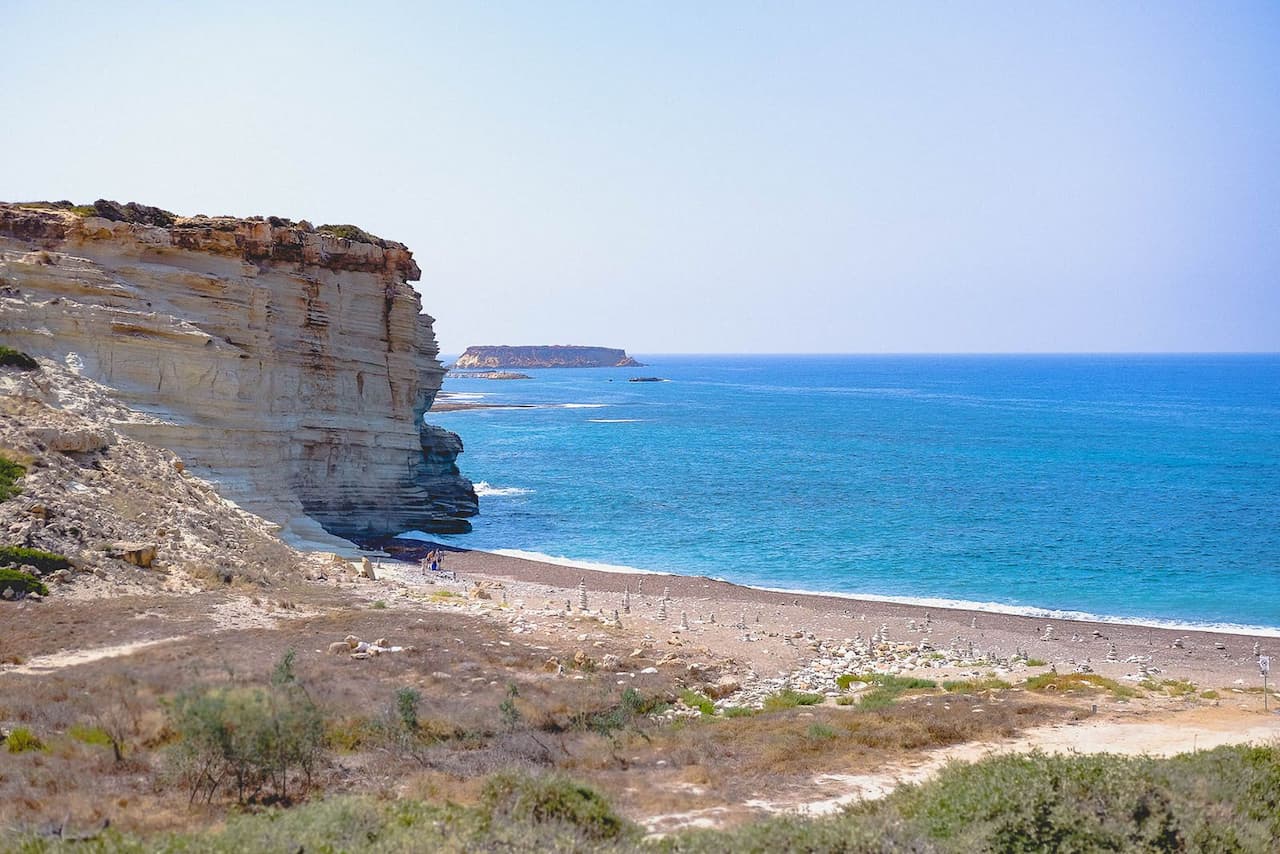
x=1199, y=729
x=73, y=658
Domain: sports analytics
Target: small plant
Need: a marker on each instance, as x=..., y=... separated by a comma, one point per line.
x=21, y=583
x=10, y=473
x=22, y=739
x=1209, y=695
x=1091, y=682
x=552, y=799
x=1036, y=662
x=820, y=732
x=507, y=708
x=845, y=700
x=41, y=560
x=694, y=700
x=975, y=686
x=94, y=735
x=738, y=712
x=788, y=699
x=348, y=232
x=379, y=605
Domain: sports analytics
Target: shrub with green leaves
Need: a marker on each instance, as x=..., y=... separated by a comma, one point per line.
x=701, y=702
x=249, y=741
x=10, y=473
x=12, y=358
x=552, y=799
x=21, y=583
x=21, y=739
x=41, y=560
x=788, y=699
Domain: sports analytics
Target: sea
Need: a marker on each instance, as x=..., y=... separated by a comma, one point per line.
x=1131, y=487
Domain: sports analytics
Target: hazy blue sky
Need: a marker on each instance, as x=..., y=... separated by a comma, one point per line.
x=700, y=177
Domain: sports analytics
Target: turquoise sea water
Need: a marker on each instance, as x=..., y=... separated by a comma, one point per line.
x=1143, y=487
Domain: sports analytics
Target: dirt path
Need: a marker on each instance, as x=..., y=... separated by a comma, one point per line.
x=58, y=660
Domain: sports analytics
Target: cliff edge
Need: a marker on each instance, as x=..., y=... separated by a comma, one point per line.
x=289, y=365
x=550, y=356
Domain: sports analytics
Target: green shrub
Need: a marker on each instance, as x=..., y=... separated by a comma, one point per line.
x=738, y=712
x=1036, y=662
x=21, y=583
x=247, y=740
x=820, y=732
x=975, y=686
x=788, y=699
x=95, y=735
x=41, y=560
x=10, y=473
x=1088, y=682
x=348, y=232
x=12, y=358
x=694, y=700
x=552, y=799
x=22, y=739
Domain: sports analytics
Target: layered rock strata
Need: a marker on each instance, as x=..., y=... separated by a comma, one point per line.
x=551, y=356
x=291, y=366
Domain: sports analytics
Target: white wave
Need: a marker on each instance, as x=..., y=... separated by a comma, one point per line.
x=416, y=535
x=484, y=488
x=614, y=420
x=583, y=405
x=461, y=395
x=1033, y=611
x=576, y=564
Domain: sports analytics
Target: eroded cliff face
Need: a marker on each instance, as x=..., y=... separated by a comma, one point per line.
x=290, y=367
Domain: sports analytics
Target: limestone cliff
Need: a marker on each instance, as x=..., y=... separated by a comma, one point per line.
x=289, y=365
x=551, y=356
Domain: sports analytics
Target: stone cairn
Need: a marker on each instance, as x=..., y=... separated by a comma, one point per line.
x=582, y=594
x=1048, y=633
x=662, y=609
x=973, y=622
x=1112, y=655
x=626, y=600
x=684, y=621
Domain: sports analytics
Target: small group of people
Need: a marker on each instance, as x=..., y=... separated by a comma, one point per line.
x=434, y=561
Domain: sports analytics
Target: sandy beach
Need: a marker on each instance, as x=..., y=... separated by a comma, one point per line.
x=775, y=635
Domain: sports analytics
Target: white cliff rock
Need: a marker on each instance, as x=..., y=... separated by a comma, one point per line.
x=289, y=366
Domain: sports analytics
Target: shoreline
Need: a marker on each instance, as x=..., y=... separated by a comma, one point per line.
x=781, y=632
x=1034, y=612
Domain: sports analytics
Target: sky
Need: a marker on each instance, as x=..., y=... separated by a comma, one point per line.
x=738, y=177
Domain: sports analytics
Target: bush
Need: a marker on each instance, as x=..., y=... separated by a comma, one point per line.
x=1089, y=682
x=21, y=583
x=348, y=232
x=975, y=686
x=694, y=700
x=12, y=358
x=10, y=474
x=247, y=740
x=41, y=560
x=552, y=799
x=21, y=739
x=788, y=699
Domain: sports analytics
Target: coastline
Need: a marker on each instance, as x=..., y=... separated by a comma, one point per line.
x=761, y=626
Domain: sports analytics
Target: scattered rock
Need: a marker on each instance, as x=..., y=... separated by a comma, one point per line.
x=139, y=554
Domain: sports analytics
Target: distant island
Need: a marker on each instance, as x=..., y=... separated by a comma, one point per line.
x=489, y=375
x=545, y=356
x=647, y=380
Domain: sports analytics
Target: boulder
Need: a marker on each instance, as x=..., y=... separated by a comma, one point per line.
x=71, y=441
x=722, y=687
x=138, y=554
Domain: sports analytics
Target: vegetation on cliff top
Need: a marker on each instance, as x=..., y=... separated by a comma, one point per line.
x=43, y=561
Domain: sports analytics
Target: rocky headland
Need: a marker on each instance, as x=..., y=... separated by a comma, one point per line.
x=287, y=365
x=548, y=356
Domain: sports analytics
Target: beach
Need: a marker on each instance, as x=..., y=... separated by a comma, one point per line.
x=788, y=636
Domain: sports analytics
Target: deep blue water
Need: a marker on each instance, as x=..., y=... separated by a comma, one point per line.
x=1126, y=486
